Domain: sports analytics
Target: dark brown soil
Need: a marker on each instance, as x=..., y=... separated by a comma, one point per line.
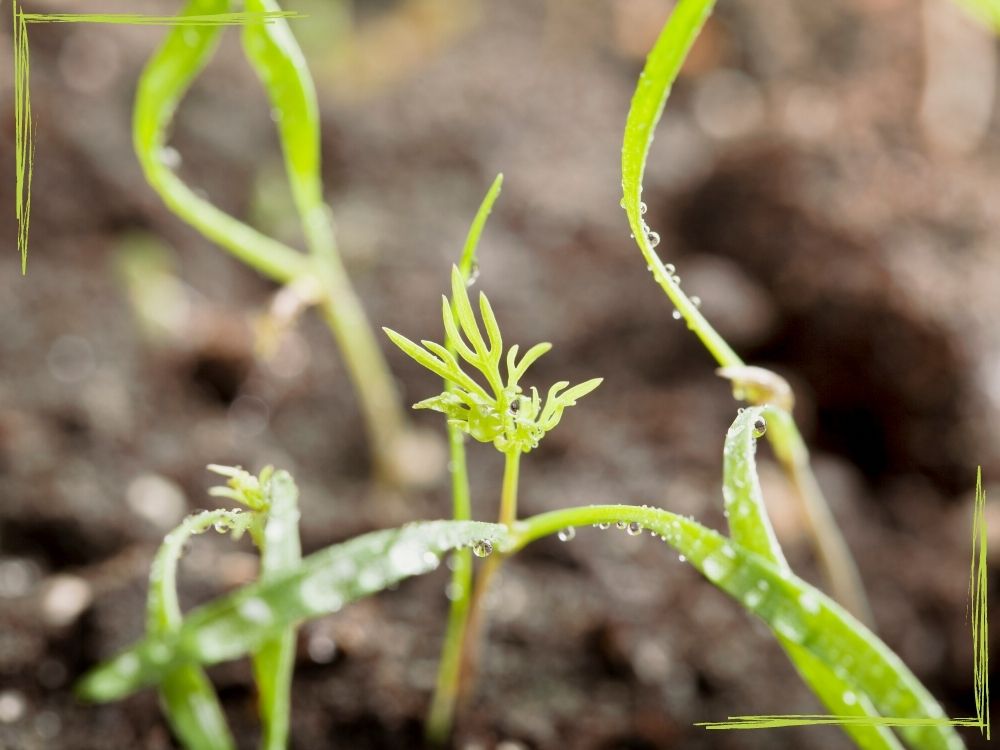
x=802, y=194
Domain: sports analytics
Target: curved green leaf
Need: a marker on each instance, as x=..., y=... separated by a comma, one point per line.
x=651, y=92
x=750, y=527
x=167, y=76
x=467, y=263
x=186, y=694
x=243, y=621
x=791, y=607
x=279, y=63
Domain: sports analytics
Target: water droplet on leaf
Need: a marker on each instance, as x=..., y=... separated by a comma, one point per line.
x=170, y=157
x=256, y=611
x=473, y=275
x=567, y=534
x=634, y=528
x=715, y=568
x=482, y=548
x=809, y=602
x=789, y=627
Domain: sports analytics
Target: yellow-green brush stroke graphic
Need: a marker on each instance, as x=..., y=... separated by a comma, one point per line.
x=24, y=126
x=980, y=664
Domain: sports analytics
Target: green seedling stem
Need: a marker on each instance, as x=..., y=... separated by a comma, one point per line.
x=651, y=92
x=440, y=716
x=279, y=63
x=477, y=611
x=500, y=413
x=274, y=661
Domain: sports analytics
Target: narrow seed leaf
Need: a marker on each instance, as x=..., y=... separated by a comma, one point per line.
x=421, y=356
x=650, y=96
x=570, y=397
x=514, y=374
x=186, y=694
x=164, y=81
x=512, y=366
x=751, y=527
x=453, y=337
x=552, y=404
x=651, y=92
x=468, y=259
x=466, y=317
x=492, y=330
x=749, y=523
x=442, y=402
x=279, y=63
x=448, y=358
x=230, y=627
x=792, y=608
x=483, y=359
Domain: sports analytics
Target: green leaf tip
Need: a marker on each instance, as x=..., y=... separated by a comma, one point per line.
x=467, y=263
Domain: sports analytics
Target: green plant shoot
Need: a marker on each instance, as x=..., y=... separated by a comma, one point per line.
x=499, y=413
x=441, y=714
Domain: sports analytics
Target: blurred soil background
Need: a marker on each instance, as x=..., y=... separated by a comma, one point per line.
x=825, y=179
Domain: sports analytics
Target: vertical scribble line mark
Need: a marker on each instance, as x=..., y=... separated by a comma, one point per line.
x=24, y=140
x=24, y=125
x=980, y=621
